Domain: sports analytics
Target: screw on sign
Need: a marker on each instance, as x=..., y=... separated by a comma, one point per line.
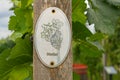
x=81, y=70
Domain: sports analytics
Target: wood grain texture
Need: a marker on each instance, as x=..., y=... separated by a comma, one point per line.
x=64, y=71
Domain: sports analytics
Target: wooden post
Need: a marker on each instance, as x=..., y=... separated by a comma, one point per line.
x=64, y=71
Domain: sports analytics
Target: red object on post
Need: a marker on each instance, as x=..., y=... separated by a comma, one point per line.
x=81, y=70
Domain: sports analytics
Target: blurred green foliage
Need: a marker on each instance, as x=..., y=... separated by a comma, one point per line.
x=16, y=51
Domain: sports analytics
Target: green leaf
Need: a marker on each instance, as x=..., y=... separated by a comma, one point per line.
x=16, y=35
x=96, y=40
x=12, y=23
x=90, y=50
x=83, y=49
x=26, y=3
x=7, y=65
x=104, y=16
x=22, y=3
x=23, y=47
x=20, y=72
x=97, y=37
x=76, y=51
x=7, y=44
x=17, y=3
x=114, y=2
x=80, y=31
x=22, y=21
x=78, y=9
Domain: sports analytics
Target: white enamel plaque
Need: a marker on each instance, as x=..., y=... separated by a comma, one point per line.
x=52, y=37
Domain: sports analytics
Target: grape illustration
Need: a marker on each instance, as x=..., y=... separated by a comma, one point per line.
x=56, y=40
x=51, y=33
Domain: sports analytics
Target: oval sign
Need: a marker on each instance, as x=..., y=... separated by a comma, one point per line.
x=52, y=37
